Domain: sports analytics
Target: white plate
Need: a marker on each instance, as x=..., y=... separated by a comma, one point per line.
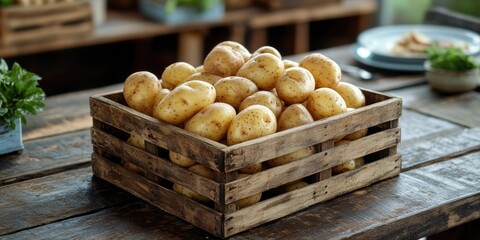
x=380, y=40
x=366, y=57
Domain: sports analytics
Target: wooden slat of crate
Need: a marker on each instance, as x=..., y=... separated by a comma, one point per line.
x=299, y=199
x=30, y=24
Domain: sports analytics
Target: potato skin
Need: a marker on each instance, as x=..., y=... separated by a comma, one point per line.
x=265, y=98
x=203, y=76
x=184, y=101
x=250, y=200
x=234, y=89
x=353, y=96
x=223, y=61
x=140, y=90
x=267, y=49
x=160, y=95
x=137, y=141
x=212, y=121
x=176, y=74
x=294, y=186
x=325, y=102
x=181, y=160
x=326, y=72
x=289, y=63
x=238, y=47
x=293, y=116
x=263, y=69
x=291, y=157
x=253, y=122
x=295, y=85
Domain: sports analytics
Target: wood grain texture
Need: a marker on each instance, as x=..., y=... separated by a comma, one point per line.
x=438, y=147
x=416, y=125
x=47, y=156
x=415, y=204
x=55, y=197
x=63, y=113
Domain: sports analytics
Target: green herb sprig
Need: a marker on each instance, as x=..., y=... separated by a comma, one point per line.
x=451, y=58
x=19, y=94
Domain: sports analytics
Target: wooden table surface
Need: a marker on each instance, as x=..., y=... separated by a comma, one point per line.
x=49, y=192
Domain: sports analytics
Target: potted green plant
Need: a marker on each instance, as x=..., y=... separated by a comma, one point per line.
x=451, y=70
x=20, y=95
x=182, y=11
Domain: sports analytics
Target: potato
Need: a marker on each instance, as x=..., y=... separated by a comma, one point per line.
x=199, y=69
x=325, y=102
x=295, y=185
x=189, y=193
x=291, y=157
x=293, y=116
x=263, y=69
x=326, y=72
x=223, y=61
x=137, y=141
x=176, y=74
x=161, y=94
x=346, y=166
x=245, y=202
x=265, y=98
x=181, y=160
x=184, y=101
x=202, y=171
x=295, y=85
x=239, y=47
x=140, y=90
x=253, y=122
x=212, y=121
x=267, y=49
x=251, y=169
x=203, y=76
x=289, y=63
x=357, y=134
x=352, y=95
x=133, y=167
x=234, y=89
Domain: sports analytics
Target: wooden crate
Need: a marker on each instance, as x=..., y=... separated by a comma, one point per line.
x=22, y=25
x=113, y=122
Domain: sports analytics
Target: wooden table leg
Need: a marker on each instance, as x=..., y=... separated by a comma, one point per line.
x=190, y=47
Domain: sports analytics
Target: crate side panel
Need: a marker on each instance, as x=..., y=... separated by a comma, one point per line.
x=159, y=133
x=160, y=167
x=324, y=160
x=290, y=140
x=165, y=199
x=291, y=202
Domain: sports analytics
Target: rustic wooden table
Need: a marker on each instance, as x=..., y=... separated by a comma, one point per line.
x=49, y=192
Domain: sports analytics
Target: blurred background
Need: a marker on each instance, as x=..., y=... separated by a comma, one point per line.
x=93, y=43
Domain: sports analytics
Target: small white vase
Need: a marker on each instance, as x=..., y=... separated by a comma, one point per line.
x=11, y=140
x=452, y=81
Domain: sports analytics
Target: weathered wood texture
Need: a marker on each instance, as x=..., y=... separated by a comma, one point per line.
x=114, y=121
x=445, y=193
x=48, y=199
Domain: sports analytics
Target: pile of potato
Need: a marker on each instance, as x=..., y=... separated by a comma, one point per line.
x=237, y=96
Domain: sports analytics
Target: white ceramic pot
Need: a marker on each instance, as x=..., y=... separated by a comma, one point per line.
x=451, y=81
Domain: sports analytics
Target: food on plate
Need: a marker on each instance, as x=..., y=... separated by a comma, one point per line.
x=176, y=74
x=223, y=61
x=325, y=102
x=326, y=72
x=265, y=98
x=353, y=96
x=295, y=85
x=180, y=160
x=234, y=89
x=184, y=101
x=140, y=90
x=293, y=116
x=263, y=69
x=414, y=44
x=212, y=121
x=253, y=122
